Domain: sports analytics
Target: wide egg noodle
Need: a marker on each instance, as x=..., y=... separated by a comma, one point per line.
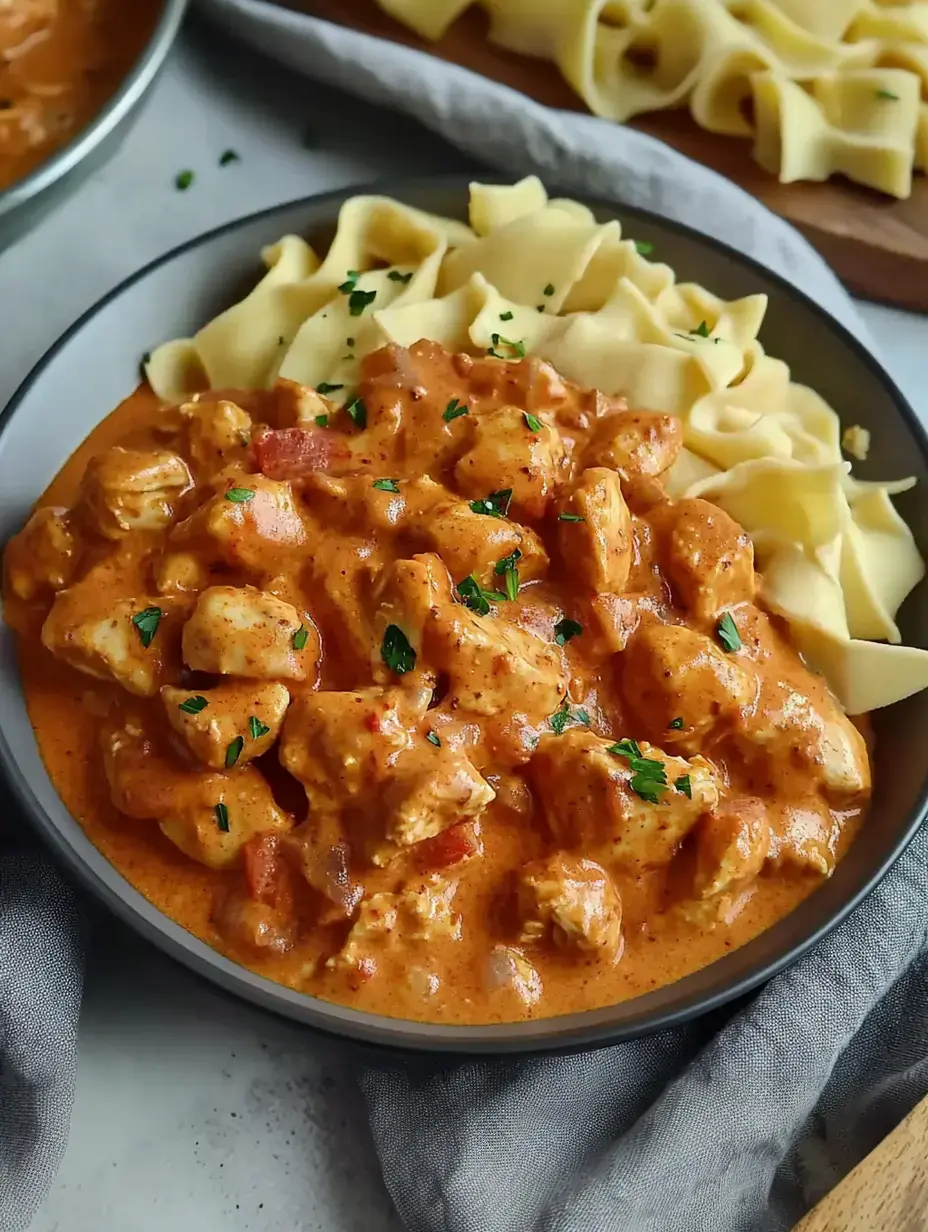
x=823, y=87
x=835, y=557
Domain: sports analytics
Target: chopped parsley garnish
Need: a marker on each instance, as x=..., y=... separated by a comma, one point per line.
x=300, y=637
x=570, y=517
x=357, y=412
x=549, y=289
x=147, y=622
x=888, y=94
x=280, y=340
x=727, y=633
x=649, y=776
x=193, y=705
x=349, y=342
x=505, y=316
x=565, y=629
x=507, y=569
x=644, y=248
x=434, y=738
x=701, y=330
x=564, y=716
x=234, y=751
x=238, y=496
x=684, y=785
x=325, y=388
x=386, y=485
x=472, y=595
x=222, y=817
x=453, y=410
x=517, y=349
x=496, y=505
x=540, y=308
x=396, y=276
x=532, y=422
x=257, y=729
x=350, y=282
x=183, y=180
x=396, y=651
x=228, y=156
x=676, y=724
x=322, y=421
x=358, y=301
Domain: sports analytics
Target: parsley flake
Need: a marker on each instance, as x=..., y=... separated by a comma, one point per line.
x=193, y=705
x=396, y=651
x=496, y=505
x=564, y=716
x=434, y=738
x=147, y=622
x=358, y=301
x=505, y=316
x=349, y=342
x=234, y=751
x=322, y=421
x=684, y=785
x=357, y=412
x=350, y=282
x=727, y=633
x=701, y=330
x=570, y=517
x=300, y=637
x=386, y=485
x=649, y=776
x=228, y=156
x=257, y=729
x=549, y=288
x=566, y=629
x=676, y=724
x=644, y=248
x=325, y=388
x=222, y=817
x=625, y=748
x=516, y=349
x=472, y=595
x=532, y=422
x=454, y=410
x=238, y=496
x=888, y=94
x=508, y=571
x=183, y=180
x=396, y=276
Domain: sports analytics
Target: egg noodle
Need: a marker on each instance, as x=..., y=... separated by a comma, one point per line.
x=533, y=276
x=822, y=86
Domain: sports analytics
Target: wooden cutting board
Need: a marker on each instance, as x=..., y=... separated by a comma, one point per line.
x=878, y=246
x=887, y=1191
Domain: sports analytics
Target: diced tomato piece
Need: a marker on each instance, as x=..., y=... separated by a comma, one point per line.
x=294, y=453
x=452, y=846
x=261, y=859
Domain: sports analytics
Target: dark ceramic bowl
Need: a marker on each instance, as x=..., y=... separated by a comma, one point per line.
x=27, y=201
x=96, y=364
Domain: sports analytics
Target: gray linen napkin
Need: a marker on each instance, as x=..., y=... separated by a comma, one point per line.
x=687, y=1131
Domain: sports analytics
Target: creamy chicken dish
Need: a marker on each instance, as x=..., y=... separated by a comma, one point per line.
x=60, y=61
x=435, y=703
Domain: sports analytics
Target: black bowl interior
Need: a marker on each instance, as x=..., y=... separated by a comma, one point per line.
x=96, y=364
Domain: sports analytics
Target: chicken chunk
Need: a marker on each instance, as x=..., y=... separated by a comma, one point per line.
x=183, y=573
x=472, y=543
x=509, y=971
x=43, y=557
x=229, y=725
x=208, y=816
x=391, y=923
x=254, y=927
x=130, y=641
x=731, y=846
x=241, y=631
x=218, y=432
x=512, y=450
x=804, y=836
x=251, y=522
x=683, y=689
x=595, y=800
x=637, y=444
x=405, y=596
x=803, y=739
x=355, y=754
x=595, y=532
x=126, y=490
x=494, y=666
x=708, y=556
x=573, y=902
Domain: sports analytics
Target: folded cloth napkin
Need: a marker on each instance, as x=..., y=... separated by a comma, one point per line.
x=694, y=1130
x=739, y=1130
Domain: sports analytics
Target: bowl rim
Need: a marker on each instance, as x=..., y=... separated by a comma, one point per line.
x=537, y=1036
x=132, y=88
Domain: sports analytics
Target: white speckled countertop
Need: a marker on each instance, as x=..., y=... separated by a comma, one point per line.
x=194, y=1113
